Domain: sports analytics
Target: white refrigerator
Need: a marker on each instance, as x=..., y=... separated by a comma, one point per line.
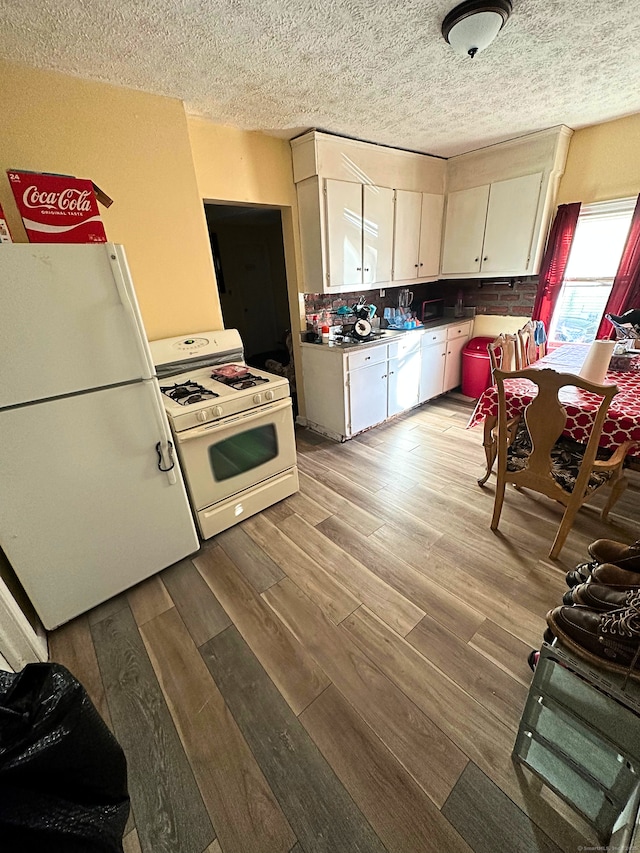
x=92, y=499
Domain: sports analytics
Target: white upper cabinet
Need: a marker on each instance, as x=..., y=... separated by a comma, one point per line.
x=430, y=234
x=500, y=201
x=345, y=191
x=490, y=228
x=344, y=233
x=464, y=230
x=511, y=218
x=406, y=248
x=417, y=235
x=377, y=234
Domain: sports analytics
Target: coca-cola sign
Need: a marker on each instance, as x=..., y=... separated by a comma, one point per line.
x=56, y=208
x=69, y=199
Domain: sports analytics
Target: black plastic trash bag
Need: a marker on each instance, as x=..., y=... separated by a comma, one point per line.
x=63, y=775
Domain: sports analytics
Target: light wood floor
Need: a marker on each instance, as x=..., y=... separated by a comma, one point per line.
x=346, y=670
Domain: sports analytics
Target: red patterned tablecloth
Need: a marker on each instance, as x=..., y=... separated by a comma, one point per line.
x=623, y=418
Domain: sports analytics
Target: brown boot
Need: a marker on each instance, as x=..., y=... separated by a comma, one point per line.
x=607, y=639
x=614, y=576
x=597, y=596
x=609, y=551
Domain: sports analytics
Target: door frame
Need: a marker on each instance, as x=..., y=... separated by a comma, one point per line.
x=20, y=643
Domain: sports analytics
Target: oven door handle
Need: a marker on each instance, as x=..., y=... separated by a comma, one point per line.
x=225, y=423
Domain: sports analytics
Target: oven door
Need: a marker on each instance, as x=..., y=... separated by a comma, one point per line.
x=240, y=451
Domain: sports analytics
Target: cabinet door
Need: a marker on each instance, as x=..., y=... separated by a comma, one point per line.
x=430, y=235
x=406, y=246
x=344, y=232
x=511, y=218
x=432, y=371
x=404, y=383
x=464, y=230
x=453, y=363
x=377, y=234
x=367, y=397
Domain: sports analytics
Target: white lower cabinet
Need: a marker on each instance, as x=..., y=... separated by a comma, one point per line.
x=434, y=351
x=441, y=366
x=367, y=397
x=348, y=391
x=453, y=363
x=403, y=375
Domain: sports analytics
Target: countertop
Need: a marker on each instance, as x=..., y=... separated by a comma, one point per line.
x=388, y=335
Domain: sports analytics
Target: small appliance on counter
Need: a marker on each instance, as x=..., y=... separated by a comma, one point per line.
x=433, y=309
x=232, y=424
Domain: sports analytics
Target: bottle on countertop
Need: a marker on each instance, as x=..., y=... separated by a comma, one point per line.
x=459, y=309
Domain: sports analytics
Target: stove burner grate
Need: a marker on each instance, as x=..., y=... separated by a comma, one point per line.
x=248, y=380
x=186, y=393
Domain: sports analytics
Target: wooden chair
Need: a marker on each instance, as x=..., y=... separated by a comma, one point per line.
x=539, y=458
x=527, y=347
x=503, y=355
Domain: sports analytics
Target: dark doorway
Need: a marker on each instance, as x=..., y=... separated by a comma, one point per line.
x=248, y=256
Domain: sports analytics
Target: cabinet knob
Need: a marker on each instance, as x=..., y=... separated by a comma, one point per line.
x=366, y=269
x=368, y=358
x=485, y=259
x=421, y=265
x=476, y=260
x=416, y=265
x=358, y=269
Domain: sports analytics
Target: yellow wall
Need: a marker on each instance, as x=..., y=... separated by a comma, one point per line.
x=603, y=162
x=240, y=166
x=251, y=168
x=136, y=148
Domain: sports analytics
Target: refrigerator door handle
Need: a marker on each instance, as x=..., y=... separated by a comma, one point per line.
x=161, y=466
x=128, y=299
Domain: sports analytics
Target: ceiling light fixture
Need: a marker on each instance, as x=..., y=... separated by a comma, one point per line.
x=474, y=24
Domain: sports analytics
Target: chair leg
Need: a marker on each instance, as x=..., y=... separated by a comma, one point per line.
x=616, y=491
x=490, y=445
x=563, y=531
x=499, y=500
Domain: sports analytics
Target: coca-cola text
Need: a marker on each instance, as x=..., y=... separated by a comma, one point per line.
x=68, y=199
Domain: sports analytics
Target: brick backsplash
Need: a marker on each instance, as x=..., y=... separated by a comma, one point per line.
x=494, y=297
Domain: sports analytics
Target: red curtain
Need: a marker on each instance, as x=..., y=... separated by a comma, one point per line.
x=625, y=293
x=554, y=262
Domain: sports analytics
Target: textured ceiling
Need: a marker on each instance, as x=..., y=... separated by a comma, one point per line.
x=372, y=69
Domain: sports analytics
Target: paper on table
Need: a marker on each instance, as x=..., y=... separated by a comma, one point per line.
x=597, y=361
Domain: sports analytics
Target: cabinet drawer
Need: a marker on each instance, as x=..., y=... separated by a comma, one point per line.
x=435, y=336
x=404, y=346
x=364, y=357
x=458, y=331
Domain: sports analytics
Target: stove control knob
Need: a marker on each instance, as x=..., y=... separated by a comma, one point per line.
x=217, y=411
x=257, y=398
x=202, y=415
x=269, y=395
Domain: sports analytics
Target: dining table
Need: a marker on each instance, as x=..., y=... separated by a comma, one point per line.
x=622, y=422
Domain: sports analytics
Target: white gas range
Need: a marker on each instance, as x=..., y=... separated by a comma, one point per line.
x=232, y=424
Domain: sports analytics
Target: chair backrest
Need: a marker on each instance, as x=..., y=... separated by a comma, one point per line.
x=528, y=351
x=503, y=352
x=545, y=419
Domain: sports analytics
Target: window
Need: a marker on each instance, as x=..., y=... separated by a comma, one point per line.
x=595, y=254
